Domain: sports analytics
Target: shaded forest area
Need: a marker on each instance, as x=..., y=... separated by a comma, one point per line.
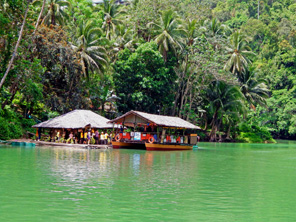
x=227, y=66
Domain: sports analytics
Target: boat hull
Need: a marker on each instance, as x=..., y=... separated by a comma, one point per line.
x=167, y=147
x=127, y=145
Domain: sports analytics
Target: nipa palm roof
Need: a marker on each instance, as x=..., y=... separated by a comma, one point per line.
x=76, y=119
x=130, y=118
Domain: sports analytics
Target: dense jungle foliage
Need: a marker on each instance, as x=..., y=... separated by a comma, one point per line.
x=226, y=65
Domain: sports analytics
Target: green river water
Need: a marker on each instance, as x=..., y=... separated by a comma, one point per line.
x=218, y=182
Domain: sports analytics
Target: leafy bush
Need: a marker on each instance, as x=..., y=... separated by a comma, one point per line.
x=27, y=125
x=16, y=130
x=10, y=129
x=4, y=129
x=202, y=135
x=13, y=125
x=254, y=134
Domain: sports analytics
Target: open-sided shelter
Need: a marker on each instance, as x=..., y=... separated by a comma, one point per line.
x=78, y=122
x=160, y=132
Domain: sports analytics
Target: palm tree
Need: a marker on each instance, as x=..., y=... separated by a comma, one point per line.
x=190, y=30
x=100, y=91
x=214, y=32
x=54, y=11
x=167, y=33
x=238, y=52
x=255, y=90
x=39, y=17
x=215, y=27
x=113, y=16
x=223, y=97
x=124, y=38
x=92, y=56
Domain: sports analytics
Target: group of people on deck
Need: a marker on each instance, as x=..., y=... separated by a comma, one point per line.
x=82, y=136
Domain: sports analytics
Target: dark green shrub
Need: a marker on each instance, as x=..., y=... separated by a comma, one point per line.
x=4, y=129
x=13, y=125
x=16, y=130
x=254, y=134
x=202, y=135
x=27, y=125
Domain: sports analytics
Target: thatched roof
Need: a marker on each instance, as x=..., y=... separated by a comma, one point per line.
x=132, y=117
x=76, y=119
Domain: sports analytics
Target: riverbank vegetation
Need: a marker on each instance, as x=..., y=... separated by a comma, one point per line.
x=227, y=66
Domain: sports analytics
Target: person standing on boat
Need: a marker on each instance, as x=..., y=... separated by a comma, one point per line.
x=58, y=136
x=102, y=138
x=97, y=136
x=85, y=137
x=52, y=132
x=88, y=137
x=106, y=138
x=70, y=138
x=39, y=133
x=81, y=137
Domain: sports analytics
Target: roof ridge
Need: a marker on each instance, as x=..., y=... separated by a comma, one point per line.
x=158, y=114
x=76, y=119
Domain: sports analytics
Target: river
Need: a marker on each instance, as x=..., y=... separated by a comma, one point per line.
x=218, y=182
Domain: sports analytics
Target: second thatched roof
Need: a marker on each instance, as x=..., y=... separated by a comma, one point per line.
x=76, y=119
x=135, y=117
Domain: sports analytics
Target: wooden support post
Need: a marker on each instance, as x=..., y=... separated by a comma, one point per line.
x=162, y=136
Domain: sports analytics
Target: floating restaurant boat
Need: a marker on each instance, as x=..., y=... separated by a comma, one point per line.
x=153, y=132
x=78, y=122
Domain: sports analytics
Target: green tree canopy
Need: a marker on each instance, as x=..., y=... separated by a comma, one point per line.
x=142, y=80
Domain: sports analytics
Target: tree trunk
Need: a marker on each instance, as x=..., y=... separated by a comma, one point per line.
x=39, y=17
x=182, y=94
x=165, y=55
x=190, y=105
x=228, y=132
x=220, y=137
x=175, y=104
x=16, y=47
x=178, y=94
x=206, y=123
x=186, y=88
x=213, y=133
x=214, y=127
x=13, y=90
x=52, y=15
x=258, y=8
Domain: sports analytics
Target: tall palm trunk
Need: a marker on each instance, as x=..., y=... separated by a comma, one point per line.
x=258, y=10
x=214, y=125
x=39, y=17
x=16, y=47
x=165, y=56
x=190, y=105
x=228, y=132
x=52, y=15
x=13, y=90
x=175, y=104
x=184, y=93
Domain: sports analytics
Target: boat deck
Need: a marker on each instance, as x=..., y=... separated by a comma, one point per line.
x=85, y=146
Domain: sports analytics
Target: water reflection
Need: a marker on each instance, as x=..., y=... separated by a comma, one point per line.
x=105, y=166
